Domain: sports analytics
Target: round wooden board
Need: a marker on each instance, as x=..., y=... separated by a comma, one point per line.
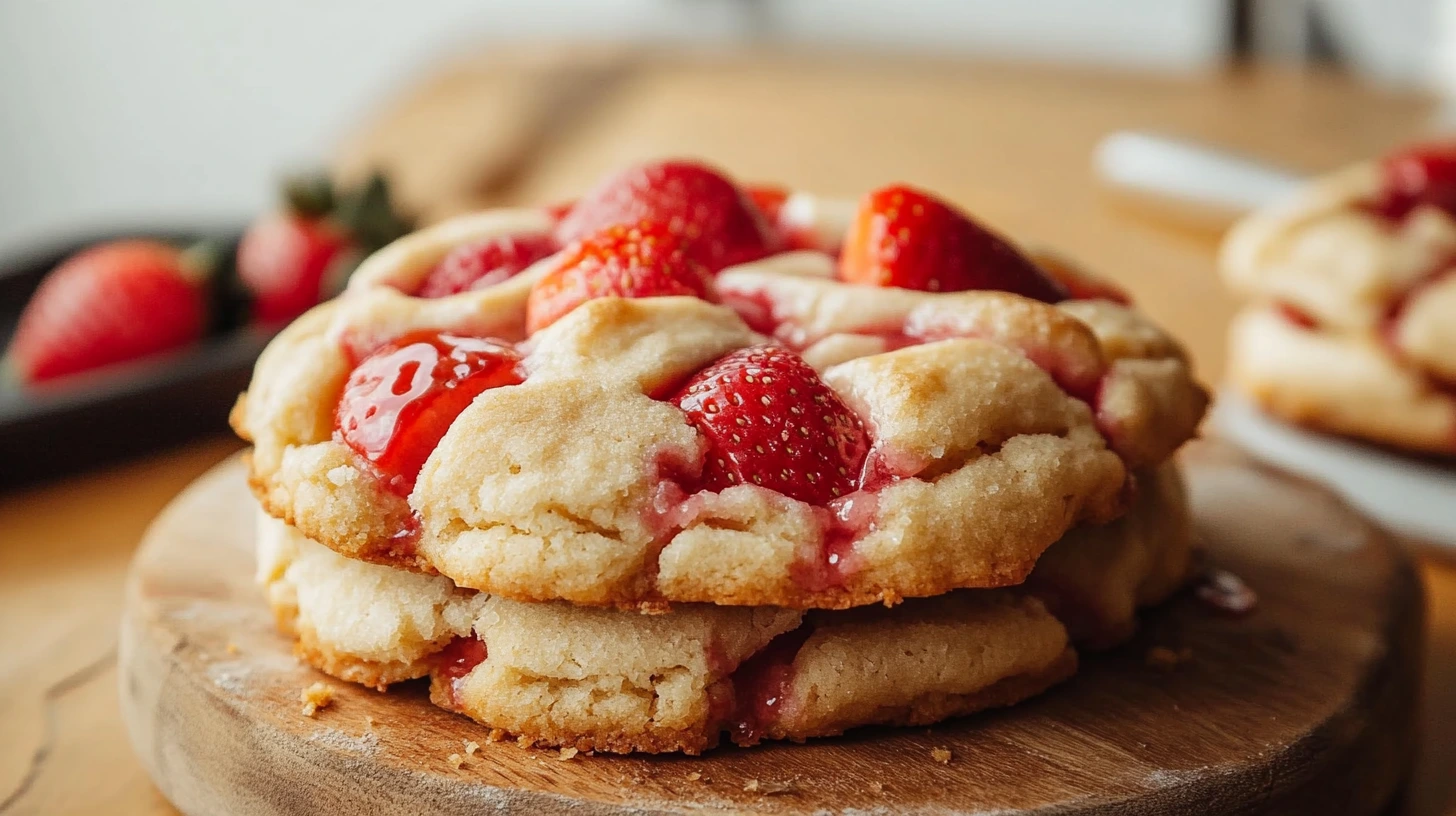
x=1305, y=706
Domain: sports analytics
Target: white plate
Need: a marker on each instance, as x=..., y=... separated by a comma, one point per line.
x=1407, y=495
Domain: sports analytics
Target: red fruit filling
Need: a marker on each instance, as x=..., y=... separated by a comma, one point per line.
x=482, y=264
x=693, y=200
x=459, y=657
x=770, y=421
x=401, y=399
x=909, y=239
x=1296, y=315
x=1421, y=175
x=762, y=684
x=637, y=261
x=846, y=521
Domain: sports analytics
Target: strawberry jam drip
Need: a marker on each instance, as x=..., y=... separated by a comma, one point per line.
x=459, y=657
x=1296, y=316
x=400, y=400
x=845, y=521
x=762, y=684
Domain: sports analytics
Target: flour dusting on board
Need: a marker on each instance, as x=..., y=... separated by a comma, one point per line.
x=365, y=743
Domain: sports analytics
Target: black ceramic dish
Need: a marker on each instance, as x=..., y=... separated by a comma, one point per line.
x=88, y=419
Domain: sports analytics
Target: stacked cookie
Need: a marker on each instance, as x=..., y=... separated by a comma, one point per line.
x=679, y=461
x=1350, y=326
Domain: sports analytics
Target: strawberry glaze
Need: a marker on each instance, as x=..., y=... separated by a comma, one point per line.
x=762, y=684
x=459, y=657
x=1296, y=316
x=399, y=401
x=831, y=563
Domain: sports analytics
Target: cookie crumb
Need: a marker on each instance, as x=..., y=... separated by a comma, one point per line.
x=694, y=776
x=1165, y=659
x=495, y=735
x=232, y=648
x=471, y=747
x=779, y=788
x=315, y=697
x=568, y=753
x=751, y=786
x=1226, y=593
x=369, y=720
x=941, y=755
x=456, y=761
x=525, y=742
x=877, y=787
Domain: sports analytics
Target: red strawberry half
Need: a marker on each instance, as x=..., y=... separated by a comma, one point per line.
x=1419, y=175
x=483, y=264
x=109, y=304
x=638, y=261
x=906, y=238
x=401, y=399
x=692, y=199
x=772, y=422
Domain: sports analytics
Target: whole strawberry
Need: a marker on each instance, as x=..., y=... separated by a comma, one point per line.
x=632, y=261
x=288, y=262
x=770, y=421
x=111, y=303
x=292, y=259
x=692, y=199
x=906, y=238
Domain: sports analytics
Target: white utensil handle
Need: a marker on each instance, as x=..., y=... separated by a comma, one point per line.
x=1157, y=165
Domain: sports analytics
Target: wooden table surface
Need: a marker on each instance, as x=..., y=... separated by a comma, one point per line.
x=1011, y=143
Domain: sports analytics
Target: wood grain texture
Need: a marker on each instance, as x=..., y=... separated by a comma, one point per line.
x=1306, y=706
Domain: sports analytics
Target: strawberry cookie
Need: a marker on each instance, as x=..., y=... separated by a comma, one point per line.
x=596, y=679
x=646, y=400
x=552, y=674
x=1349, y=327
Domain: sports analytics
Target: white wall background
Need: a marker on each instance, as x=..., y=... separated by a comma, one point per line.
x=116, y=112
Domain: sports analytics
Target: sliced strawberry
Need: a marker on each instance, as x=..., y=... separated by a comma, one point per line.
x=909, y=239
x=772, y=422
x=109, y=304
x=769, y=199
x=1418, y=175
x=288, y=262
x=692, y=199
x=640, y=261
x=1080, y=283
x=483, y=264
x=400, y=400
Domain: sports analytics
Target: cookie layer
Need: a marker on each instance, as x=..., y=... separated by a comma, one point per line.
x=997, y=422
x=1344, y=384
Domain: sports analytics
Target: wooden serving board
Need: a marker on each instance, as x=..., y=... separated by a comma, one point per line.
x=1305, y=706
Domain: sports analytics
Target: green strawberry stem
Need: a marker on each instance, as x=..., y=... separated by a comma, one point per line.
x=201, y=259
x=368, y=215
x=310, y=195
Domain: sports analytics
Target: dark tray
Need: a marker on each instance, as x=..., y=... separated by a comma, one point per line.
x=79, y=422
